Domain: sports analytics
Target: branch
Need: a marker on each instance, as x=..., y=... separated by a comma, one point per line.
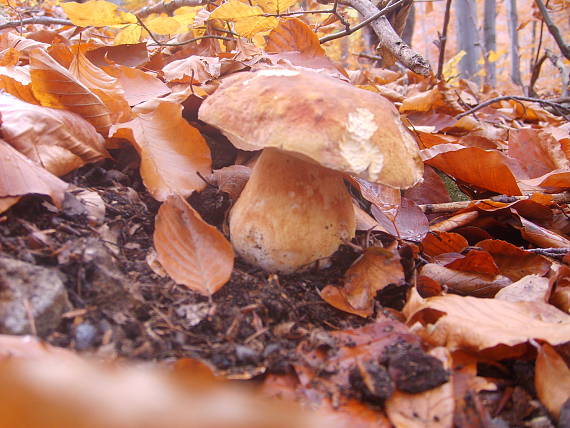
x=387, y=36
x=449, y=207
x=41, y=20
x=554, y=30
x=169, y=8
x=443, y=40
x=558, y=107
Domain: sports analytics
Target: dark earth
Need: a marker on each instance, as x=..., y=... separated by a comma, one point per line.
x=252, y=327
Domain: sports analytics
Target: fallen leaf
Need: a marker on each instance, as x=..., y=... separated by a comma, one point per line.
x=97, y=13
x=475, y=324
x=429, y=409
x=59, y=140
x=20, y=176
x=137, y=85
x=528, y=289
x=172, y=151
x=54, y=86
x=406, y=221
x=436, y=243
x=486, y=169
x=294, y=35
x=552, y=379
x=194, y=70
x=191, y=251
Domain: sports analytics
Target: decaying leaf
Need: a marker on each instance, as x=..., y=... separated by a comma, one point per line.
x=191, y=251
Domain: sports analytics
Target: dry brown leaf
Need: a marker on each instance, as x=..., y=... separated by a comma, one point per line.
x=173, y=152
x=56, y=87
x=191, y=251
x=16, y=81
x=194, y=69
x=59, y=140
x=486, y=169
x=7, y=202
x=436, y=243
x=106, y=87
x=138, y=85
x=475, y=261
x=231, y=179
x=429, y=409
x=294, y=35
x=528, y=289
x=465, y=283
x=431, y=190
x=552, y=379
x=455, y=221
x=476, y=324
x=20, y=176
x=370, y=273
x=514, y=262
x=537, y=152
x=538, y=235
x=30, y=347
x=551, y=182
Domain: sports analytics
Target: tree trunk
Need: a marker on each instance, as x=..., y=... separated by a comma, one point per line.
x=467, y=37
x=489, y=38
x=512, y=21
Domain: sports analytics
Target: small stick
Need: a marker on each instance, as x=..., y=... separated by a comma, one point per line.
x=443, y=40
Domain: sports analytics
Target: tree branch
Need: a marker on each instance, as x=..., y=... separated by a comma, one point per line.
x=169, y=8
x=41, y=20
x=556, y=106
x=554, y=30
x=443, y=40
x=388, y=37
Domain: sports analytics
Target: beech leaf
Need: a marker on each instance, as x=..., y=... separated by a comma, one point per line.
x=191, y=251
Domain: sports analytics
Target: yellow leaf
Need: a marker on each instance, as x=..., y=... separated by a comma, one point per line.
x=275, y=6
x=494, y=56
x=163, y=25
x=129, y=35
x=234, y=10
x=248, y=27
x=96, y=13
x=450, y=69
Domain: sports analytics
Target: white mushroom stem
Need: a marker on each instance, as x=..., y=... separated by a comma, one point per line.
x=290, y=214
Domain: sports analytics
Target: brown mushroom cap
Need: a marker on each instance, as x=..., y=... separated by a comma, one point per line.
x=321, y=118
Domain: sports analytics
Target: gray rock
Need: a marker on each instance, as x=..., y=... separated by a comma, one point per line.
x=30, y=291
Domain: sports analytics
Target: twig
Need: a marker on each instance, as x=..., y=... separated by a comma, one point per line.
x=195, y=39
x=556, y=106
x=40, y=20
x=388, y=37
x=449, y=207
x=373, y=57
x=548, y=251
x=554, y=30
x=169, y=8
x=443, y=40
x=364, y=23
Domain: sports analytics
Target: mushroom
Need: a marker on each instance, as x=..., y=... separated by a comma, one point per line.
x=295, y=209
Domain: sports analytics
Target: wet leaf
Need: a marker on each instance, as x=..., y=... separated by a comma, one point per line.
x=191, y=251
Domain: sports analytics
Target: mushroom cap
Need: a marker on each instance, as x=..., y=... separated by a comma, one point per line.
x=319, y=118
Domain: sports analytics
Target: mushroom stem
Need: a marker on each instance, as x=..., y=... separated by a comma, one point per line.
x=290, y=214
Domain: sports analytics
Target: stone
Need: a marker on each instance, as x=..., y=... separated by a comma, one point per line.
x=30, y=292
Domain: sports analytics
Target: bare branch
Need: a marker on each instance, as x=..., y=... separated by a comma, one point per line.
x=554, y=30
x=388, y=37
x=443, y=40
x=41, y=20
x=558, y=107
x=169, y=8
x=450, y=207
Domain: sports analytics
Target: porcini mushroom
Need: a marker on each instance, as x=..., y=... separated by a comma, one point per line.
x=295, y=209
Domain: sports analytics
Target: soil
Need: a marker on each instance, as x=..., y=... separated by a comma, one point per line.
x=251, y=327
